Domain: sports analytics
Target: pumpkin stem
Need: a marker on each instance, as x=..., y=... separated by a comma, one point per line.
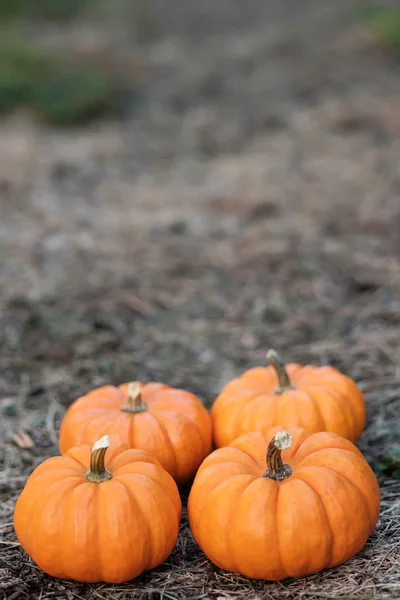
x=97, y=472
x=283, y=378
x=277, y=470
x=134, y=404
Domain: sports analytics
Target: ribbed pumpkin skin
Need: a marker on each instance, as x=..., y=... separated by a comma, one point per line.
x=323, y=399
x=110, y=531
x=176, y=427
x=320, y=516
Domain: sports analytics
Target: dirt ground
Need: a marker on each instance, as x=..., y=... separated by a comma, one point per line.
x=250, y=200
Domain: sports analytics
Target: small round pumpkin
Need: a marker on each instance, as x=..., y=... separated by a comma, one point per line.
x=91, y=517
x=171, y=423
x=286, y=508
x=314, y=398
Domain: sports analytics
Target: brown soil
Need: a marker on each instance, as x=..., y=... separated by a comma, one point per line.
x=251, y=200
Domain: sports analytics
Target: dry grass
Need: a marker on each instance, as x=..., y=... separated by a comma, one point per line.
x=253, y=204
x=187, y=574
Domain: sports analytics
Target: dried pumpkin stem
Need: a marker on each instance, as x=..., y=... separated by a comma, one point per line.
x=97, y=472
x=277, y=470
x=283, y=378
x=135, y=403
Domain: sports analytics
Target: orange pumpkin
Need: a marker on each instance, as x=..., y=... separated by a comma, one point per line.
x=91, y=517
x=314, y=398
x=171, y=423
x=286, y=508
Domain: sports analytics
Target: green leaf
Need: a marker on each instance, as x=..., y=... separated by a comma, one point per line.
x=61, y=90
x=384, y=21
x=389, y=464
x=59, y=10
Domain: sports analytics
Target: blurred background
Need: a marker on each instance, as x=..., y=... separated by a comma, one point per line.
x=184, y=185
